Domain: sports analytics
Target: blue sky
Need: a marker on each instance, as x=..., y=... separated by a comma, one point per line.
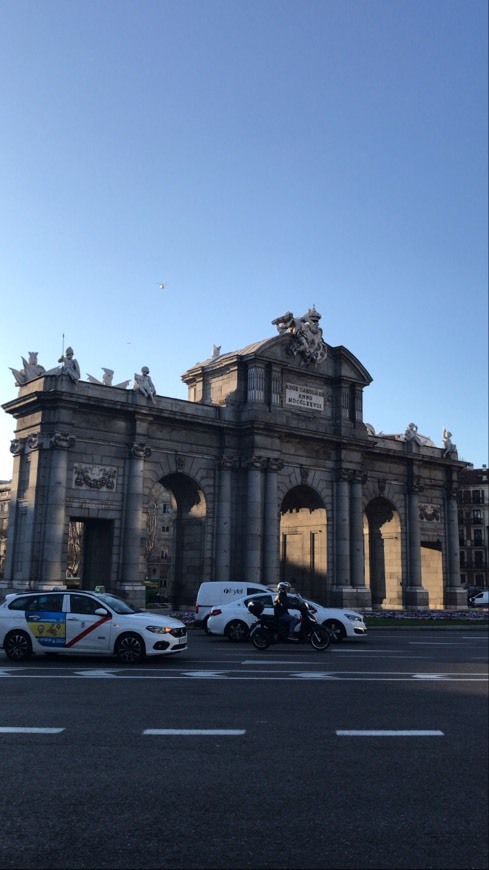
x=257, y=157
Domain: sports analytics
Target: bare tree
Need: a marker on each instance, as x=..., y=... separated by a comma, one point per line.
x=75, y=543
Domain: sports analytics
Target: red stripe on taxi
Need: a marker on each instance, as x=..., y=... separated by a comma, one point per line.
x=88, y=630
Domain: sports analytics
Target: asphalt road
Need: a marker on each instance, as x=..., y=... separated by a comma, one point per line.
x=373, y=754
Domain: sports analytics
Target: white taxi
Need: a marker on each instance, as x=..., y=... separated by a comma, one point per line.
x=85, y=622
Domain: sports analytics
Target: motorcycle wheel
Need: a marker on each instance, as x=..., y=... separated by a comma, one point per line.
x=320, y=638
x=259, y=639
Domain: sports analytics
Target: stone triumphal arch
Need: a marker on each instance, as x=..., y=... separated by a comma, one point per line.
x=267, y=471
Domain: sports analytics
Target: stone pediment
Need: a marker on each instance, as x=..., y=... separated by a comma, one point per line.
x=268, y=375
x=339, y=362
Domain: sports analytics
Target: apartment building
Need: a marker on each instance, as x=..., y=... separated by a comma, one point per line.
x=473, y=524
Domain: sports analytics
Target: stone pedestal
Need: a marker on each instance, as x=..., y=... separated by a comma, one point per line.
x=456, y=598
x=416, y=596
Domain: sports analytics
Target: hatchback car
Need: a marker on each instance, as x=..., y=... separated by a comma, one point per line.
x=234, y=620
x=85, y=622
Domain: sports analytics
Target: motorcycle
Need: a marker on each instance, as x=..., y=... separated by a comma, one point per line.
x=268, y=630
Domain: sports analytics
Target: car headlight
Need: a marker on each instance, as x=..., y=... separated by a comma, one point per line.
x=354, y=617
x=158, y=629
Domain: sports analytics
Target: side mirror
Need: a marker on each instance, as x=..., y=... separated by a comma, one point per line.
x=101, y=611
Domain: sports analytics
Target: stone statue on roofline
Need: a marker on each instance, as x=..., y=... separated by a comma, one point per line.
x=306, y=336
x=69, y=365
x=106, y=381
x=31, y=370
x=144, y=384
x=412, y=434
x=449, y=448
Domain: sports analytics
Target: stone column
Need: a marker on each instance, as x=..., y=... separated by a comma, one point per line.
x=133, y=565
x=356, y=530
x=416, y=596
x=362, y=596
x=455, y=594
x=271, y=535
x=223, y=531
x=14, y=519
x=254, y=523
x=342, y=530
x=56, y=526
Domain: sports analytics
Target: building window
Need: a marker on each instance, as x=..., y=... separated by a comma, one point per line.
x=461, y=538
x=478, y=559
x=462, y=560
x=477, y=533
x=477, y=516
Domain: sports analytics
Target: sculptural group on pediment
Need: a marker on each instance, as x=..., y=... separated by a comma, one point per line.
x=306, y=336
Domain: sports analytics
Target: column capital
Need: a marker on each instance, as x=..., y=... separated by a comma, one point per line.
x=275, y=464
x=259, y=463
x=228, y=461
x=34, y=441
x=416, y=486
x=140, y=450
x=63, y=440
x=359, y=476
x=16, y=447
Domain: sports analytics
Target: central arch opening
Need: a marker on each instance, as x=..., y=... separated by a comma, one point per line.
x=303, y=542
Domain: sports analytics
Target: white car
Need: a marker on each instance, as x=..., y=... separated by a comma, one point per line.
x=234, y=620
x=85, y=622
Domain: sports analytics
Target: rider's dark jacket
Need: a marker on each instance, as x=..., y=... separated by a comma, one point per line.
x=280, y=604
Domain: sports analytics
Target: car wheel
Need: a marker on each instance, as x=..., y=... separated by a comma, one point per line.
x=130, y=649
x=204, y=625
x=237, y=630
x=17, y=646
x=336, y=629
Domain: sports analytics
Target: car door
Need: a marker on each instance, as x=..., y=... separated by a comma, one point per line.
x=45, y=620
x=86, y=630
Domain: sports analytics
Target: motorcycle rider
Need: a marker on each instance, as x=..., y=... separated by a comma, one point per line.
x=281, y=608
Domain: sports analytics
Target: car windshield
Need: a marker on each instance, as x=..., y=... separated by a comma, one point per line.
x=116, y=604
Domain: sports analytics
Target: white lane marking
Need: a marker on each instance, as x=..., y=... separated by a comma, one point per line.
x=315, y=676
x=96, y=673
x=206, y=732
x=383, y=733
x=31, y=730
x=5, y=674
x=261, y=675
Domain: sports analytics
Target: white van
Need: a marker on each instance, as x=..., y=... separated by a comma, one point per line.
x=480, y=600
x=221, y=592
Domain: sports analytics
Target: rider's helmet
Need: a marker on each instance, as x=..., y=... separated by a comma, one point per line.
x=284, y=586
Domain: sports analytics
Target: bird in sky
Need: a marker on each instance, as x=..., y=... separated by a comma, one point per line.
x=161, y=285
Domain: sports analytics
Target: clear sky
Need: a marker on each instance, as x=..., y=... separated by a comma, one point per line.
x=257, y=156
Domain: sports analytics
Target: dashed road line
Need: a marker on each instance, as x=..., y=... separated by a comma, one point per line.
x=15, y=730
x=382, y=733
x=195, y=732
